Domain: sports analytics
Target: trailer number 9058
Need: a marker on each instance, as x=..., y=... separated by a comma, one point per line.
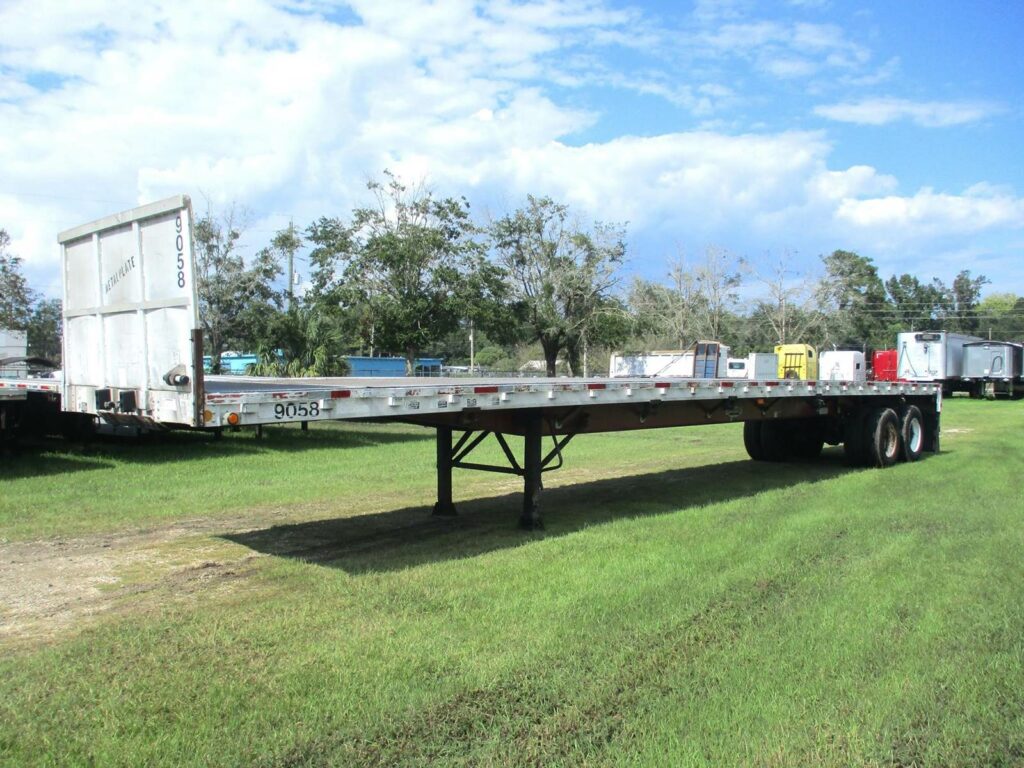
x=296, y=410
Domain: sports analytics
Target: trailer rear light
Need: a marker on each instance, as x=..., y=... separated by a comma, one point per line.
x=207, y=416
x=485, y=390
x=232, y=418
x=662, y=384
x=336, y=393
x=594, y=385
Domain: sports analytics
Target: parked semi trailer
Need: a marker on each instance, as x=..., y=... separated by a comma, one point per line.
x=133, y=360
x=993, y=368
x=936, y=357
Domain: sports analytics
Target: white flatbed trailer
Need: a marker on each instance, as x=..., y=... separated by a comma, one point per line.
x=133, y=359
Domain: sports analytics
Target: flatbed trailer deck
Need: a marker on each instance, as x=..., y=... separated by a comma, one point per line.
x=133, y=360
x=801, y=415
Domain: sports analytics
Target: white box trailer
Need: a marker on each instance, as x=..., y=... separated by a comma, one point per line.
x=842, y=365
x=133, y=359
x=932, y=356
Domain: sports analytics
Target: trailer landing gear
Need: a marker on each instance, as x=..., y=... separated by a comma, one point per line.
x=533, y=465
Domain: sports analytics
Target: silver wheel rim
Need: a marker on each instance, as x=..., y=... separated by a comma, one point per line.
x=916, y=435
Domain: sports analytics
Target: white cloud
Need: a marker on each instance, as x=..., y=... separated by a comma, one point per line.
x=930, y=114
x=932, y=213
x=290, y=113
x=787, y=50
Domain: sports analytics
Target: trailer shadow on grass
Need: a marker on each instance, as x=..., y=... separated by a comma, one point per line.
x=408, y=537
x=39, y=462
x=51, y=456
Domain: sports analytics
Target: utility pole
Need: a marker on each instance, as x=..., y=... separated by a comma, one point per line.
x=472, y=349
x=288, y=242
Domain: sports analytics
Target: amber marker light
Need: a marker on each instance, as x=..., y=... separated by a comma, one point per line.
x=232, y=419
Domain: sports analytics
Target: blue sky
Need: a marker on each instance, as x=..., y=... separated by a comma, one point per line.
x=772, y=130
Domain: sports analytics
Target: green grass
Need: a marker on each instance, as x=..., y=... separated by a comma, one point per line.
x=685, y=606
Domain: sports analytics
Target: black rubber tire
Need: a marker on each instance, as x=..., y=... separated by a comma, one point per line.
x=882, y=437
x=853, y=440
x=752, y=440
x=806, y=439
x=911, y=433
x=774, y=441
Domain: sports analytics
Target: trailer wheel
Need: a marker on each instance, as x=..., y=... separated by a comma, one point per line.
x=752, y=440
x=774, y=441
x=911, y=433
x=882, y=437
x=854, y=442
x=806, y=438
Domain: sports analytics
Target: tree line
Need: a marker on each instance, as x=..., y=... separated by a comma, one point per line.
x=412, y=274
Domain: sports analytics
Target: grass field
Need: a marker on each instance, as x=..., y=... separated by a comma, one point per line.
x=290, y=602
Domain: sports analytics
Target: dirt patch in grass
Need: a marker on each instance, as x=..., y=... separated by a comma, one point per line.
x=54, y=587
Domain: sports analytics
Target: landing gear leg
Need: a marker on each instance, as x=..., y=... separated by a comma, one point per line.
x=444, y=506
x=530, y=519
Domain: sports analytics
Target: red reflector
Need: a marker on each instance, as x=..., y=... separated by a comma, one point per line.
x=596, y=386
x=335, y=393
x=726, y=384
x=771, y=383
x=662, y=384
x=490, y=389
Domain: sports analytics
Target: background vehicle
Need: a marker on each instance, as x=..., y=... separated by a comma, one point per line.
x=994, y=368
x=797, y=361
x=933, y=356
x=842, y=365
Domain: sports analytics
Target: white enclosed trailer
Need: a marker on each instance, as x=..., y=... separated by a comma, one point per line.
x=133, y=359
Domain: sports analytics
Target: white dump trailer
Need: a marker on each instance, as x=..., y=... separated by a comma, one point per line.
x=994, y=368
x=933, y=356
x=133, y=361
